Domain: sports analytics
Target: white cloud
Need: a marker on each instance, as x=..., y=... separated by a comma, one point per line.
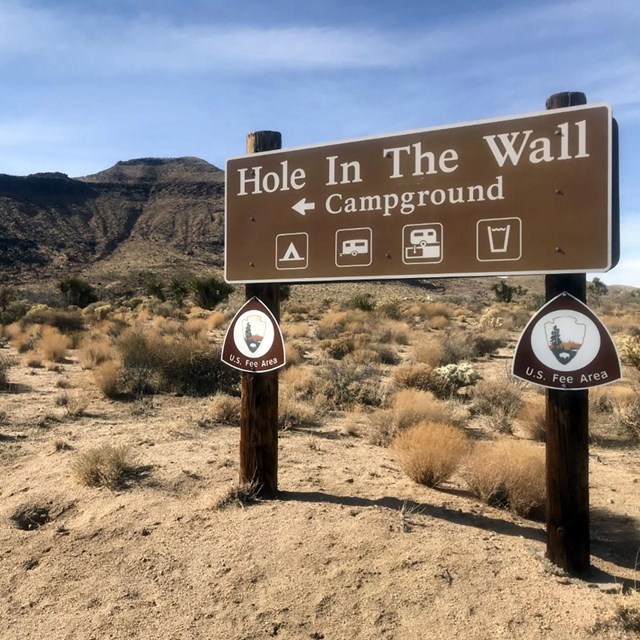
x=80, y=41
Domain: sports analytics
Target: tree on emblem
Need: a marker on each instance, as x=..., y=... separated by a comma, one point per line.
x=555, y=337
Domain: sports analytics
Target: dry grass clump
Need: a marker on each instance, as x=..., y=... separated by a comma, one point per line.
x=430, y=452
x=533, y=418
x=627, y=418
x=5, y=365
x=295, y=414
x=75, y=404
x=344, y=385
x=417, y=376
x=300, y=381
x=104, y=466
x=335, y=324
x=224, y=409
x=439, y=322
x=429, y=350
x=499, y=401
x=411, y=406
x=108, y=377
x=53, y=345
x=391, y=331
x=508, y=317
x=294, y=352
x=240, y=495
x=216, y=319
x=95, y=350
x=508, y=474
x=295, y=330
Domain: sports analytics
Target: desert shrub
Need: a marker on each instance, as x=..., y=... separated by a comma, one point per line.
x=217, y=319
x=295, y=330
x=483, y=344
x=178, y=290
x=508, y=474
x=77, y=292
x=384, y=354
x=53, y=345
x=295, y=414
x=104, y=466
x=75, y=405
x=439, y=322
x=343, y=384
x=94, y=351
x=627, y=418
x=209, y=292
x=224, y=409
x=499, y=401
x=382, y=429
x=417, y=376
x=533, y=418
x=11, y=308
x=429, y=350
x=5, y=365
x=294, y=353
x=411, y=406
x=505, y=292
x=334, y=325
x=393, y=332
x=362, y=301
x=457, y=347
x=65, y=321
x=240, y=495
x=338, y=348
x=300, y=381
x=155, y=288
x=108, y=377
x=188, y=366
x=505, y=317
x=430, y=452
x=446, y=381
x=390, y=308
x=194, y=368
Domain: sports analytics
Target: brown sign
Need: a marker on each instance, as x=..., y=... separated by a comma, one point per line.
x=529, y=194
x=253, y=341
x=566, y=346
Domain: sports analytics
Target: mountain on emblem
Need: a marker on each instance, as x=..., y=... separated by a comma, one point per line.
x=565, y=335
x=253, y=329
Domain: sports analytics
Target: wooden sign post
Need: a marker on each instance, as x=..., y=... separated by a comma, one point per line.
x=259, y=411
x=567, y=439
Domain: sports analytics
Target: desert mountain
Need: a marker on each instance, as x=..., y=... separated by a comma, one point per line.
x=137, y=209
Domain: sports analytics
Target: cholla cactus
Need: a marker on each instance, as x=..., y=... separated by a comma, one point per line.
x=452, y=377
x=630, y=350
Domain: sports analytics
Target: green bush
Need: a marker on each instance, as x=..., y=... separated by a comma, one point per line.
x=77, y=292
x=209, y=292
x=187, y=366
x=65, y=321
x=363, y=302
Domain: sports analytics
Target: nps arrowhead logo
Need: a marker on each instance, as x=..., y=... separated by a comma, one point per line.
x=253, y=342
x=566, y=346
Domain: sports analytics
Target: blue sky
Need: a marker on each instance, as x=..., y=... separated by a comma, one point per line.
x=86, y=83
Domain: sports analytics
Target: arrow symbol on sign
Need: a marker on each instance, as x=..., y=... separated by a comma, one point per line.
x=303, y=206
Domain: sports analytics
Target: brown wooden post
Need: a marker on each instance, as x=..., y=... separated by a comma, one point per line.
x=567, y=450
x=259, y=411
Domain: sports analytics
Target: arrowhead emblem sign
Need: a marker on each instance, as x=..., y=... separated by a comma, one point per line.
x=254, y=342
x=566, y=346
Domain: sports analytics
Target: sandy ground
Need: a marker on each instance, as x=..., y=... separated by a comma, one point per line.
x=351, y=548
